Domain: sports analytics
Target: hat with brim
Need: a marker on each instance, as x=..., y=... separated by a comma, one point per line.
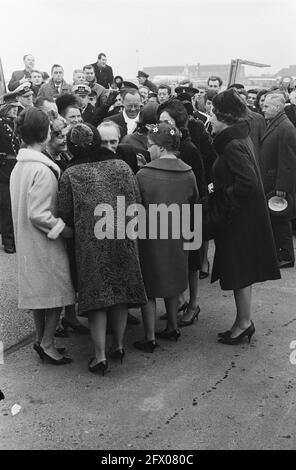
x=9, y=99
x=142, y=74
x=130, y=85
x=279, y=206
x=186, y=89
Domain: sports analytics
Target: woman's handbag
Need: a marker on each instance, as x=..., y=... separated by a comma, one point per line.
x=217, y=210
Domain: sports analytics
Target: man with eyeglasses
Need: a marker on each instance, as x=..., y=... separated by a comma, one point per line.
x=129, y=118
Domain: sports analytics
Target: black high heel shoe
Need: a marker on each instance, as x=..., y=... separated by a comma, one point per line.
x=224, y=334
x=99, y=367
x=166, y=334
x=204, y=274
x=117, y=354
x=82, y=330
x=180, y=309
x=183, y=322
x=147, y=346
x=39, y=350
x=56, y=362
x=248, y=332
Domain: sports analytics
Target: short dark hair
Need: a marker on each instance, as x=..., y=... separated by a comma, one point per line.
x=214, y=78
x=229, y=107
x=167, y=87
x=176, y=110
x=260, y=93
x=253, y=90
x=55, y=66
x=32, y=125
x=67, y=100
x=88, y=67
x=165, y=135
x=101, y=54
x=40, y=101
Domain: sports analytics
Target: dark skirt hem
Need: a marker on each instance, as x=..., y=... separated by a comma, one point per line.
x=242, y=285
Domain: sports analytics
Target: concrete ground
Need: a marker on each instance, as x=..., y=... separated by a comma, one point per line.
x=193, y=394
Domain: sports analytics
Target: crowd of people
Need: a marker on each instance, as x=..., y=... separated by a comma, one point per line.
x=67, y=148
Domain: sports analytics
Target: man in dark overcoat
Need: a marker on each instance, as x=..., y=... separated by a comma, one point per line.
x=103, y=72
x=277, y=158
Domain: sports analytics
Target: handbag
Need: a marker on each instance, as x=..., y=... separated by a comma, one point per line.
x=217, y=210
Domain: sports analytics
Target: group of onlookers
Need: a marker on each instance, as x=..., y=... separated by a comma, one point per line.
x=63, y=154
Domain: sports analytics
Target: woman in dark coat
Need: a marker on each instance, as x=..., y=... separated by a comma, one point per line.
x=109, y=274
x=245, y=251
x=165, y=180
x=175, y=113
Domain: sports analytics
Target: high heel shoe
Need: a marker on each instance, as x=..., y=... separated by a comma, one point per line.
x=99, y=367
x=56, y=362
x=39, y=350
x=166, y=334
x=204, y=274
x=147, y=346
x=238, y=339
x=224, y=334
x=180, y=309
x=82, y=330
x=117, y=354
x=183, y=322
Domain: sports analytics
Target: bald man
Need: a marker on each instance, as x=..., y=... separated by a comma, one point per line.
x=277, y=158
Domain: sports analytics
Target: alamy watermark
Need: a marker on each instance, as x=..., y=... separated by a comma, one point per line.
x=163, y=221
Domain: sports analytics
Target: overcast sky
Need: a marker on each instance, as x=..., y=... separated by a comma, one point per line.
x=164, y=32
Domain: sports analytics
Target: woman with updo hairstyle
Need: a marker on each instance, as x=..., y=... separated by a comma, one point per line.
x=44, y=279
x=164, y=262
x=108, y=267
x=244, y=246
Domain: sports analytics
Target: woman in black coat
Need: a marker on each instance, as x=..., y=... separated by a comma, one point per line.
x=174, y=112
x=245, y=251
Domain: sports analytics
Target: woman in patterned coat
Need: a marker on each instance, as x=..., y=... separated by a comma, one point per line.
x=108, y=269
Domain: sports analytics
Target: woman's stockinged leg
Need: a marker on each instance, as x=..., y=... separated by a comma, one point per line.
x=98, y=322
x=118, y=319
x=171, y=304
x=193, y=295
x=52, y=316
x=243, y=302
x=149, y=315
x=39, y=320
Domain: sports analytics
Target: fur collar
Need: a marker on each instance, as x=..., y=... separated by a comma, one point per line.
x=240, y=130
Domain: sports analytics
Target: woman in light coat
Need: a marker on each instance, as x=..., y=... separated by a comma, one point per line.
x=43, y=268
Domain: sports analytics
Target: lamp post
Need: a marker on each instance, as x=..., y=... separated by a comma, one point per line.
x=138, y=58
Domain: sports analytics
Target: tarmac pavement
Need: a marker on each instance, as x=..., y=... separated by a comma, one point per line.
x=192, y=394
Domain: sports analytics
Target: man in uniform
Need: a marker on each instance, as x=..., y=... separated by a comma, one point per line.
x=82, y=91
x=9, y=147
x=143, y=80
x=24, y=96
